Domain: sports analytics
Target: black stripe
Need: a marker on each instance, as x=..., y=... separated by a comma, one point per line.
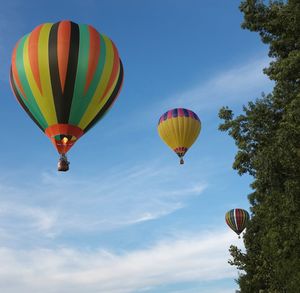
x=15, y=90
x=54, y=71
x=109, y=101
x=71, y=73
x=63, y=100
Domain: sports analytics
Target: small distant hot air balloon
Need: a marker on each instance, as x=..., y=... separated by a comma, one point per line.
x=237, y=220
x=65, y=76
x=179, y=128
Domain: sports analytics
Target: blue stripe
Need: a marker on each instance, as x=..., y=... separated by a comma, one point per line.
x=196, y=117
x=185, y=112
x=165, y=116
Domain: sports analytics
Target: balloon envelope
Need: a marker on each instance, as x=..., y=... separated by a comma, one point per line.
x=65, y=76
x=179, y=128
x=237, y=220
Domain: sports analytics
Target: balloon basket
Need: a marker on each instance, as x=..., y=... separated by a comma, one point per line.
x=63, y=164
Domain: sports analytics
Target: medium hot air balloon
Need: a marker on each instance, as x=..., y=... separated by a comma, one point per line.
x=65, y=76
x=179, y=128
x=237, y=220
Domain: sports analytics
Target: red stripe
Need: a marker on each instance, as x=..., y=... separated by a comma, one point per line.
x=33, y=46
x=114, y=72
x=180, y=112
x=190, y=113
x=170, y=114
x=15, y=71
x=63, y=47
x=238, y=218
x=94, y=54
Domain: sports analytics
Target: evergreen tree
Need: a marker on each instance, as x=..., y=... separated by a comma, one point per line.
x=267, y=135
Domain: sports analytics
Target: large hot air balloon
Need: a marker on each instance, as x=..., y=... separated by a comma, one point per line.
x=179, y=128
x=65, y=76
x=237, y=220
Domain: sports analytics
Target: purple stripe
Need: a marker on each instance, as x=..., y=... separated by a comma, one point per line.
x=185, y=112
x=196, y=117
x=173, y=113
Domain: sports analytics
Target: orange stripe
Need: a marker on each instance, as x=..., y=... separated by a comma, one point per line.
x=66, y=129
x=93, y=56
x=33, y=46
x=114, y=71
x=63, y=47
x=15, y=71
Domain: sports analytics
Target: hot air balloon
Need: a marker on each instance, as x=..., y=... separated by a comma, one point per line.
x=237, y=220
x=65, y=76
x=179, y=128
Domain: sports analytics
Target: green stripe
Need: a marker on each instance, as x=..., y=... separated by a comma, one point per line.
x=80, y=103
x=30, y=101
x=82, y=67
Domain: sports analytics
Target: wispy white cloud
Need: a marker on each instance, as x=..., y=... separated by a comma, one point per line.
x=36, y=217
x=239, y=83
x=190, y=258
x=53, y=205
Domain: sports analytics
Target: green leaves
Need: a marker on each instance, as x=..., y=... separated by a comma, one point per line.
x=267, y=135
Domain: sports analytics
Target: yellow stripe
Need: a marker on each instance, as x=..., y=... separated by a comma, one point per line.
x=32, y=83
x=186, y=128
x=181, y=129
x=194, y=130
x=47, y=102
x=166, y=132
x=175, y=131
x=163, y=133
x=95, y=105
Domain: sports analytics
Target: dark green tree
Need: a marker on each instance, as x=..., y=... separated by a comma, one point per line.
x=267, y=135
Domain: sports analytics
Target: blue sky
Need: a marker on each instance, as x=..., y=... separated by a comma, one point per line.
x=127, y=217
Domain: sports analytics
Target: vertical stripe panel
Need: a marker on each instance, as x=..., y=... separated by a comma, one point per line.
x=94, y=106
x=93, y=56
x=33, y=86
x=44, y=69
x=15, y=73
x=21, y=101
x=79, y=101
x=109, y=102
x=30, y=102
x=79, y=115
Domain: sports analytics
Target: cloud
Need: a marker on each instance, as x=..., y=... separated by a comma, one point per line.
x=53, y=205
x=236, y=84
x=37, y=217
x=201, y=258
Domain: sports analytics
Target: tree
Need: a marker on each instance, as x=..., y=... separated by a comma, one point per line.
x=267, y=135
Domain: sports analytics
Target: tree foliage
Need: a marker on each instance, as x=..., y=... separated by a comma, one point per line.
x=267, y=135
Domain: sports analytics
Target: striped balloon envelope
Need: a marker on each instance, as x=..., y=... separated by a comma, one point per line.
x=65, y=76
x=179, y=128
x=237, y=220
